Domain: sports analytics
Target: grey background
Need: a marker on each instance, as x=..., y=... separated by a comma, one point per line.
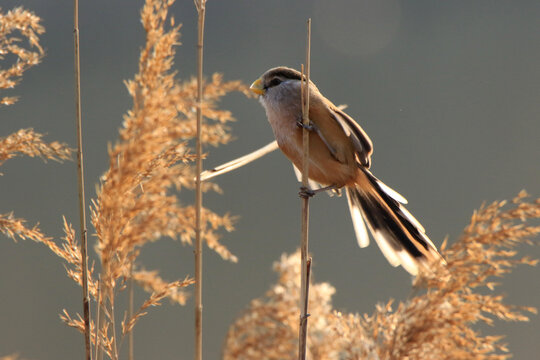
x=447, y=90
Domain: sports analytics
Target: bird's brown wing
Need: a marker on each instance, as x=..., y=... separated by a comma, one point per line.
x=362, y=144
x=330, y=131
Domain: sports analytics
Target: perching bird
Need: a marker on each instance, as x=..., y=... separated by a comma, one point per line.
x=340, y=156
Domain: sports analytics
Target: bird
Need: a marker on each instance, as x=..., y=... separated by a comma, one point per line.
x=340, y=158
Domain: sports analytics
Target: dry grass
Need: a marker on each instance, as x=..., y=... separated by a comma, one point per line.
x=165, y=291
x=152, y=160
x=11, y=357
x=15, y=59
x=30, y=143
x=25, y=141
x=27, y=24
x=438, y=324
x=137, y=203
x=150, y=163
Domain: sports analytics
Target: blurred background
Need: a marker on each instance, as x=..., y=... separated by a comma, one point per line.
x=448, y=92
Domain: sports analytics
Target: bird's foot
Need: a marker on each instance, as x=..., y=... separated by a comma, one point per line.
x=306, y=192
x=310, y=127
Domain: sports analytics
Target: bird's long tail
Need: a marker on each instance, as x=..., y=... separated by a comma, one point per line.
x=401, y=238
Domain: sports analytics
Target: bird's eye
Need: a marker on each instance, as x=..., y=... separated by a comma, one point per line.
x=274, y=82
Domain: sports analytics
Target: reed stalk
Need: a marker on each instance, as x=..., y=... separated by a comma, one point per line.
x=304, y=245
x=201, y=9
x=80, y=173
x=114, y=338
x=131, y=355
x=99, y=315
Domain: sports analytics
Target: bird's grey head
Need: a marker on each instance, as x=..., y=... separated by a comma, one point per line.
x=278, y=85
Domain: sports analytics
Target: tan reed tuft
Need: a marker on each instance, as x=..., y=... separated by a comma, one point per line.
x=154, y=300
x=11, y=357
x=151, y=282
x=150, y=163
x=152, y=159
x=30, y=143
x=440, y=323
x=135, y=204
x=27, y=24
x=25, y=141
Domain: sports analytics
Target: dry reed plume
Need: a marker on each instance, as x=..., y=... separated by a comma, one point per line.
x=30, y=143
x=25, y=141
x=15, y=59
x=27, y=24
x=151, y=161
x=136, y=202
x=11, y=357
x=438, y=324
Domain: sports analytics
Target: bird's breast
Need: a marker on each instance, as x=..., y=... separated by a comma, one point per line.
x=323, y=167
x=284, y=125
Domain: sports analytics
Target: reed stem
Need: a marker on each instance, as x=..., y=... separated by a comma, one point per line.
x=80, y=175
x=131, y=354
x=113, y=327
x=97, y=348
x=201, y=9
x=304, y=246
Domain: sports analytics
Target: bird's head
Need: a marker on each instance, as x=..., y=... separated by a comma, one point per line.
x=277, y=78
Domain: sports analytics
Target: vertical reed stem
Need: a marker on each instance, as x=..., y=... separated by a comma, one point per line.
x=97, y=348
x=80, y=174
x=113, y=327
x=201, y=8
x=304, y=249
x=131, y=355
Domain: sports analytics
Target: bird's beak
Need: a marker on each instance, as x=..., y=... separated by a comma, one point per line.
x=257, y=87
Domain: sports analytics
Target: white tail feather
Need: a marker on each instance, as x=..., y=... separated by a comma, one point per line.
x=391, y=192
x=358, y=222
x=388, y=251
x=408, y=262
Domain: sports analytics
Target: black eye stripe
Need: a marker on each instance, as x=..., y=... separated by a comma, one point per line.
x=274, y=82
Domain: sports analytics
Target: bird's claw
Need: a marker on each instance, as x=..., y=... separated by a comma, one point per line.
x=306, y=192
x=300, y=124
